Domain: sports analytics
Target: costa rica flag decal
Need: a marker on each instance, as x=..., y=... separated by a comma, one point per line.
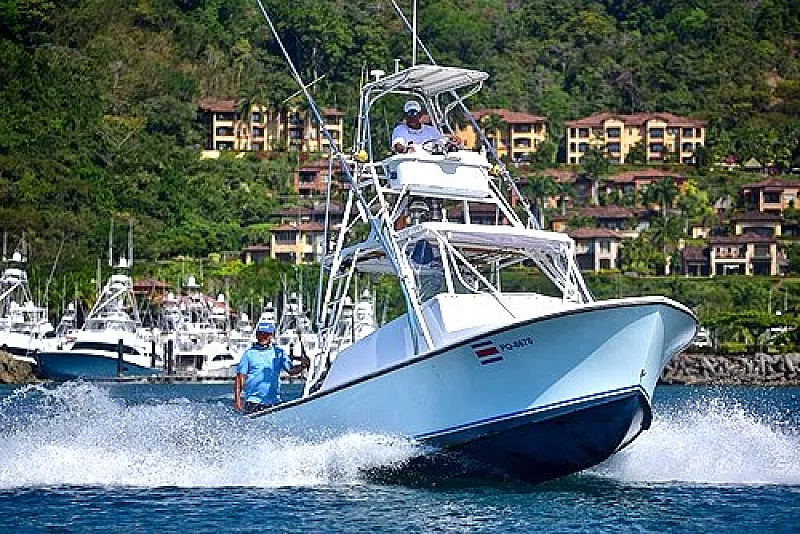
x=487, y=352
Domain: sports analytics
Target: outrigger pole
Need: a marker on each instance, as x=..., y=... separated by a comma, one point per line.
x=395, y=255
x=485, y=142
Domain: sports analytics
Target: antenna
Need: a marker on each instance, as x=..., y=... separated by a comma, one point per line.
x=414, y=35
x=5, y=245
x=111, y=244
x=130, y=244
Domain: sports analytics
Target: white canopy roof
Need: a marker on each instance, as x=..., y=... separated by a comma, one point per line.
x=488, y=238
x=429, y=80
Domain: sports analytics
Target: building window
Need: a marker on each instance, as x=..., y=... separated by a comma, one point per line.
x=225, y=131
x=583, y=133
x=657, y=147
x=613, y=133
x=256, y=116
x=522, y=128
x=772, y=198
x=224, y=145
x=687, y=132
x=286, y=238
x=257, y=146
x=605, y=245
x=583, y=147
x=572, y=160
x=657, y=133
x=258, y=132
x=522, y=143
x=687, y=147
x=572, y=147
x=698, y=132
x=573, y=132
x=613, y=147
x=605, y=263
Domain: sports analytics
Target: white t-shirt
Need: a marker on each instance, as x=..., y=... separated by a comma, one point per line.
x=403, y=134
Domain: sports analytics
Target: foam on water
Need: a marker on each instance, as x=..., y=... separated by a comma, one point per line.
x=77, y=434
x=711, y=441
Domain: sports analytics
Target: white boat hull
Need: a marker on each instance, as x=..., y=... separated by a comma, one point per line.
x=537, y=399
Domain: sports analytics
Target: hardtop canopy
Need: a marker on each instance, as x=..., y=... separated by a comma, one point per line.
x=428, y=80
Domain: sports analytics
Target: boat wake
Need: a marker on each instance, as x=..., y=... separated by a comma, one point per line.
x=77, y=434
x=711, y=441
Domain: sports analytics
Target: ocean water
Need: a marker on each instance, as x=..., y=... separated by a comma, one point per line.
x=81, y=457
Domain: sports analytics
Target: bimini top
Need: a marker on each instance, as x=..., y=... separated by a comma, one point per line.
x=477, y=237
x=429, y=80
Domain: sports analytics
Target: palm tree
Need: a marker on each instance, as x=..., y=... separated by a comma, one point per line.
x=595, y=166
x=494, y=126
x=539, y=188
x=663, y=193
x=565, y=191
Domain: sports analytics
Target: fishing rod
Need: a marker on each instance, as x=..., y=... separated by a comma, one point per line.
x=409, y=290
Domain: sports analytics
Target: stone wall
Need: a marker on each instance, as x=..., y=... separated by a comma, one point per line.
x=752, y=369
x=14, y=371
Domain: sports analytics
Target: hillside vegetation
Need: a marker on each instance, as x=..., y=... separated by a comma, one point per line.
x=99, y=115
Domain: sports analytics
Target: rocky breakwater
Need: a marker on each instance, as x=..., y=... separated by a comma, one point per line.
x=14, y=371
x=750, y=369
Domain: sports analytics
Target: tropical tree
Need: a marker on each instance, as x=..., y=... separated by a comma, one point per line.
x=637, y=155
x=494, y=127
x=662, y=193
x=565, y=191
x=595, y=167
x=539, y=188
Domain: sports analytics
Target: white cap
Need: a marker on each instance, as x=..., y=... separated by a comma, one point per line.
x=412, y=107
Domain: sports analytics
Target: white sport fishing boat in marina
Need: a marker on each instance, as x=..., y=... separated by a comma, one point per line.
x=201, y=333
x=529, y=385
x=295, y=333
x=24, y=327
x=93, y=351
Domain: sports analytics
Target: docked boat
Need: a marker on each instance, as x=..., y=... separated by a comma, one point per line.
x=24, y=327
x=110, y=329
x=295, y=332
x=530, y=385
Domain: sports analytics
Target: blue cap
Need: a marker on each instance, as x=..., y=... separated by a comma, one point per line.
x=265, y=328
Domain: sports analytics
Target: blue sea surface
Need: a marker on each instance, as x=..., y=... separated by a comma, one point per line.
x=84, y=457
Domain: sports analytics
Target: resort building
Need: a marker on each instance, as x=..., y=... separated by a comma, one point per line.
x=662, y=137
x=597, y=249
x=311, y=179
x=747, y=254
x=770, y=196
x=298, y=243
x=265, y=129
x=513, y=134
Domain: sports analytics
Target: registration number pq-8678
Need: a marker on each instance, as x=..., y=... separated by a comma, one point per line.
x=516, y=344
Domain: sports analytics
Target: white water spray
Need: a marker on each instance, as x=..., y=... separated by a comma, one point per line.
x=710, y=441
x=77, y=434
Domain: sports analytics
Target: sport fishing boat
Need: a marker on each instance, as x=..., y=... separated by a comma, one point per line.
x=24, y=327
x=95, y=350
x=531, y=385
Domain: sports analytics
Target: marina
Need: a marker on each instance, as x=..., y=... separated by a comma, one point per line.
x=400, y=267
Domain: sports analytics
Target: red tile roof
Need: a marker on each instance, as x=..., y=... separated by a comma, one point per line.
x=636, y=119
x=741, y=239
x=217, y=105
x=605, y=212
x=691, y=253
x=756, y=216
x=772, y=183
x=594, y=233
x=331, y=112
x=508, y=116
x=649, y=174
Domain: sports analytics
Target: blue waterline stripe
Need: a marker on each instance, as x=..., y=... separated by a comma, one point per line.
x=546, y=407
x=491, y=360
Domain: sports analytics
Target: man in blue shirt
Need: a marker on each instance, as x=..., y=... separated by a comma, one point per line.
x=259, y=371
